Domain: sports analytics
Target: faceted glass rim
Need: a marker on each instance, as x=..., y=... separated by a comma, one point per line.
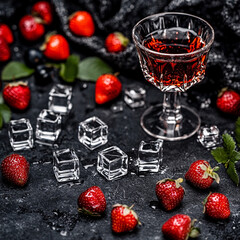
x=201, y=50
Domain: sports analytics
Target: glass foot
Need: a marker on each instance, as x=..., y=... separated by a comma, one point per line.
x=153, y=124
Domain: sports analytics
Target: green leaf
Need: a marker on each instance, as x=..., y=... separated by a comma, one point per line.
x=220, y=155
x=1, y=99
x=15, y=70
x=235, y=157
x=1, y=121
x=91, y=68
x=231, y=171
x=69, y=69
x=237, y=131
x=5, y=113
x=228, y=143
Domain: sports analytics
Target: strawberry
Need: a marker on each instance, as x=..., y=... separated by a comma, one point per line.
x=15, y=169
x=17, y=95
x=216, y=206
x=228, y=101
x=43, y=10
x=56, y=47
x=107, y=88
x=92, y=201
x=81, y=23
x=116, y=42
x=169, y=193
x=201, y=175
x=124, y=219
x=31, y=28
x=5, y=52
x=180, y=227
x=6, y=33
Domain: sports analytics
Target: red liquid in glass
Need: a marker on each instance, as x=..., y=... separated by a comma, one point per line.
x=174, y=73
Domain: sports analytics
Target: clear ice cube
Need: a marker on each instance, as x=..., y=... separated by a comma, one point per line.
x=93, y=133
x=150, y=155
x=20, y=134
x=112, y=163
x=66, y=165
x=134, y=96
x=209, y=136
x=60, y=99
x=48, y=127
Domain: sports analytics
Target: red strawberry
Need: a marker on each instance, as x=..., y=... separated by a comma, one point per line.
x=17, y=95
x=92, y=201
x=201, y=175
x=216, y=206
x=169, y=193
x=228, y=101
x=56, y=47
x=116, y=42
x=15, y=169
x=5, y=52
x=31, y=28
x=180, y=227
x=6, y=33
x=107, y=88
x=124, y=219
x=43, y=10
x=81, y=24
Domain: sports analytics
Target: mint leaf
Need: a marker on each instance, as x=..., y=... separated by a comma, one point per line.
x=69, y=69
x=5, y=113
x=1, y=99
x=235, y=157
x=220, y=155
x=1, y=121
x=231, y=171
x=91, y=68
x=228, y=143
x=237, y=131
x=15, y=70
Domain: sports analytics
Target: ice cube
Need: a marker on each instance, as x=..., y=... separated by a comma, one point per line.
x=93, y=133
x=20, y=134
x=66, y=165
x=60, y=99
x=150, y=155
x=134, y=96
x=112, y=163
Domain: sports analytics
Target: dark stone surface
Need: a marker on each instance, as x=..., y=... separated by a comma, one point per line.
x=45, y=209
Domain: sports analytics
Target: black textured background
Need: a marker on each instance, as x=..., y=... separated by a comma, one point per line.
x=45, y=209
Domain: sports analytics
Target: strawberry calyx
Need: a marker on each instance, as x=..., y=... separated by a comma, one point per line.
x=127, y=210
x=38, y=19
x=87, y=212
x=194, y=232
x=178, y=181
x=124, y=40
x=15, y=84
x=205, y=201
x=47, y=38
x=210, y=172
x=222, y=91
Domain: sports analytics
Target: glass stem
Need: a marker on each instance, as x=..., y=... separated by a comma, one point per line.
x=171, y=114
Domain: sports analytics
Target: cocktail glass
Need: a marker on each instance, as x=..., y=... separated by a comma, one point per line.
x=173, y=50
